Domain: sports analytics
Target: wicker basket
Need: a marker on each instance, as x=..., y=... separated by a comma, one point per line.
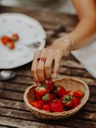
x=67, y=82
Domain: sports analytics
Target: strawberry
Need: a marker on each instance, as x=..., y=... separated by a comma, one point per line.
x=41, y=90
x=15, y=37
x=50, y=85
x=5, y=40
x=67, y=101
x=76, y=102
x=60, y=91
x=46, y=107
x=79, y=94
x=56, y=106
x=69, y=93
x=48, y=97
x=38, y=97
x=37, y=103
x=10, y=45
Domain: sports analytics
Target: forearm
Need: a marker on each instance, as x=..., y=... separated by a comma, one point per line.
x=84, y=31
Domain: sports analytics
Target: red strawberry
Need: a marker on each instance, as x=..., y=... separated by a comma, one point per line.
x=60, y=91
x=41, y=90
x=10, y=45
x=5, y=40
x=37, y=103
x=37, y=96
x=69, y=93
x=15, y=37
x=50, y=85
x=48, y=97
x=76, y=102
x=46, y=107
x=79, y=94
x=56, y=106
x=67, y=101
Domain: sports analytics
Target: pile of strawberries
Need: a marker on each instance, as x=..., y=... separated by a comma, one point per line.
x=52, y=98
x=10, y=41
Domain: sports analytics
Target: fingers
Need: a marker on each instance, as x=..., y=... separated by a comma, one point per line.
x=57, y=62
x=48, y=64
x=42, y=70
x=34, y=67
x=40, y=67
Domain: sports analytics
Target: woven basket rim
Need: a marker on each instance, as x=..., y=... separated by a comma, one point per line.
x=84, y=100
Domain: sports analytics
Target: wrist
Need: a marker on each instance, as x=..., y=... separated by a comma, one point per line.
x=65, y=43
x=69, y=41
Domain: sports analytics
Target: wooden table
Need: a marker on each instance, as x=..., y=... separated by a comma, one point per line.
x=13, y=112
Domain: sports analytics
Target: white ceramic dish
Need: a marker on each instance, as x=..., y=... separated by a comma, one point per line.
x=29, y=30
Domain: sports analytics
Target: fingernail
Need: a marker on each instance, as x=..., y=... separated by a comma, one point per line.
x=55, y=75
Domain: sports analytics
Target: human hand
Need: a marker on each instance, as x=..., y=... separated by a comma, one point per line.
x=42, y=70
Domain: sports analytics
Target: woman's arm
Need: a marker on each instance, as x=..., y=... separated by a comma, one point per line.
x=61, y=47
x=86, y=27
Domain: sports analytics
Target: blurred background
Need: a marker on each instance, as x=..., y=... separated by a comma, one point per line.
x=56, y=5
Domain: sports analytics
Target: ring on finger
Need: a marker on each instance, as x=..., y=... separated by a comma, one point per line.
x=38, y=59
x=43, y=59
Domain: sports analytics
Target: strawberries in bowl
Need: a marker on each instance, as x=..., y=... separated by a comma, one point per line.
x=66, y=97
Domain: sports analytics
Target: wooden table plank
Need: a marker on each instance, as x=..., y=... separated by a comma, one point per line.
x=44, y=15
x=27, y=123
x=6, y=126
x=16, y=123
x=17, y=113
